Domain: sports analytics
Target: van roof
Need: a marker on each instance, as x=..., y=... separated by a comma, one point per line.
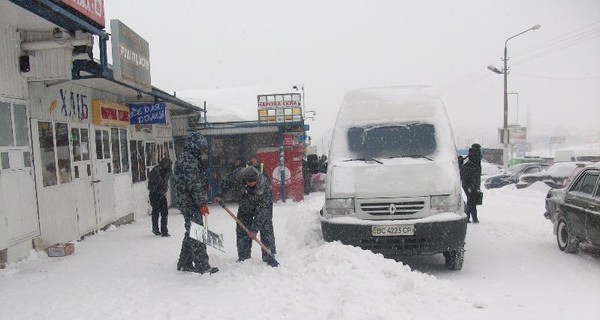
x=417, y=101
x=393, y=107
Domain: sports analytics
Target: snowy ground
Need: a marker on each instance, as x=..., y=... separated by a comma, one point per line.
x=513, y=270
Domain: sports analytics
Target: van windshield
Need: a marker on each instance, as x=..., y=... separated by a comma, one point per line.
x=385, y=141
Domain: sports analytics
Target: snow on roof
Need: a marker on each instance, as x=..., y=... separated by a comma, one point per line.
x=232, y=103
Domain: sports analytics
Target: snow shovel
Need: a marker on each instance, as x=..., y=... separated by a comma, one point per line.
x=262, y=245
x=209, y=238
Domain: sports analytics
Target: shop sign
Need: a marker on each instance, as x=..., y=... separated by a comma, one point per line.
x=69, y=105
x=131, y=56
x=93, y=10
x=110, y=114
x=148, y=113
x=279, y=108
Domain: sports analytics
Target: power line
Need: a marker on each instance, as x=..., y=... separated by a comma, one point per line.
x=553, y=78
x=559, y=43
x=559, y=46
x=565, y=37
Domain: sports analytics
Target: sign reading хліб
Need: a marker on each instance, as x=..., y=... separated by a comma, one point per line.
x=147, y=113
x=131, y=56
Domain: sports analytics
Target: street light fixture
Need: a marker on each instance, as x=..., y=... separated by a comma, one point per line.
x=504, y=71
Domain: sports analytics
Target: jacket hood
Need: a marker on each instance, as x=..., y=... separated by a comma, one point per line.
x=196, y=143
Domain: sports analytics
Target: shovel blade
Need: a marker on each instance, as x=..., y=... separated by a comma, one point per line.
x=214, y=240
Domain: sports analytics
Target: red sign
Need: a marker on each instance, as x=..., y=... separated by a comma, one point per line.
x=294, y=180
x=288, y=140
x=92, y=9
x=110, y=114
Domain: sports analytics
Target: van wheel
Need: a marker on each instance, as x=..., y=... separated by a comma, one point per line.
x=454, y=259
x=565, y=239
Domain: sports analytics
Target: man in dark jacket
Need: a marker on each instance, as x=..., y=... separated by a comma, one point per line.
x=158, y=184
x=260, y=166
x=255, y=211
x=191, y=187
x=470, y=173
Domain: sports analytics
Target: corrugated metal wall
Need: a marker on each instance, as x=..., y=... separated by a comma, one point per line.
x=12, y=84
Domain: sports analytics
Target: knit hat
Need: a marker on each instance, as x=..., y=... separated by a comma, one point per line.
x=250, y=174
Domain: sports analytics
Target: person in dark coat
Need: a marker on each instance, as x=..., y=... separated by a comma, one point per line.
x=191, y=189
x=470, y=173
x=255, y=211
x=158, y=185
x=260, y=166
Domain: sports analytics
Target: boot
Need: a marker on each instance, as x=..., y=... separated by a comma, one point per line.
x=209, y=270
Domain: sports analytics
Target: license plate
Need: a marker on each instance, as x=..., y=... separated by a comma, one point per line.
x=401, y=230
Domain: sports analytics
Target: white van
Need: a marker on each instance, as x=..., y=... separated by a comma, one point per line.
x=588, y=155
x=393, y=183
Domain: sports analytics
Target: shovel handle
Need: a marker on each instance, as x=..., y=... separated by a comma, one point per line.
x=241, y=224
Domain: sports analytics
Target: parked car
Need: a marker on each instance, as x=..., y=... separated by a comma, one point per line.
x=575, y=210
x=489, y=169
x=555, y=176
x=512, y=174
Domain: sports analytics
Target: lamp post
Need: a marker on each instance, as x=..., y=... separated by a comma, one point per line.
x=517, y=117
x=504, y=71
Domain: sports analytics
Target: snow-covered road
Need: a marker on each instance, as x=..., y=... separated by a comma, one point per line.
x=513, y=270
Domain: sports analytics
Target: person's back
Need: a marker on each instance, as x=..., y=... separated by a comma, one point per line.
x=158, y=178
x=158, y=185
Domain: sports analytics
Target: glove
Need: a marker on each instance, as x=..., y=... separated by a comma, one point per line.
x=204, y=210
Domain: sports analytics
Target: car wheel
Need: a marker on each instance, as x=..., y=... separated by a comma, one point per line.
x=565, y=239
x=454, y=259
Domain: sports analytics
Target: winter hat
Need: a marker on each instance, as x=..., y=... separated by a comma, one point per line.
x=476, y=146
x=250, y=174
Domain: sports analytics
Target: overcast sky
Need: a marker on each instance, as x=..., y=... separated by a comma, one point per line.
x=335, y=46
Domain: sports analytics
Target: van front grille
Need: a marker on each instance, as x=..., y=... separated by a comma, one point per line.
x=384, y=208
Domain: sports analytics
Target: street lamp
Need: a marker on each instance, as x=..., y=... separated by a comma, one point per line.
x=505, y=73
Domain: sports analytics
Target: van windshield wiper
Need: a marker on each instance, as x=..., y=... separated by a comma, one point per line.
x=364, y=159
x=411, y=156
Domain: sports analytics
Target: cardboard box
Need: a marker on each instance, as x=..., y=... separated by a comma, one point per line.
x=61, y=249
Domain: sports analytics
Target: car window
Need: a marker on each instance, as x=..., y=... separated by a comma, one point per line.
x=414, y=139
x=586, y=183
x=532, y=170
x=597, y=195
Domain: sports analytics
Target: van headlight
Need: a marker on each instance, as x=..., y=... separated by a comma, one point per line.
x=339, y=207
x=449, y=203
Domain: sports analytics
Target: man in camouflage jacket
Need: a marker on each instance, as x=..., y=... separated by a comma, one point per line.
x=255, y=211
x=191, y=187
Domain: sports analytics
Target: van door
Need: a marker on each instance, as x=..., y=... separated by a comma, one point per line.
x=103, y=179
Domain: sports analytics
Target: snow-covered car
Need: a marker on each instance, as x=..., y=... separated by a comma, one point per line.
x=575, y=210
x=555, y=176
x=393, y=185
x=489, y=169
x=512, y=174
